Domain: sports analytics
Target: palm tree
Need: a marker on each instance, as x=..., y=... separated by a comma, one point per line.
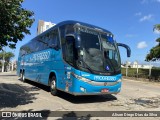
x=154, y=53
x=6, y=56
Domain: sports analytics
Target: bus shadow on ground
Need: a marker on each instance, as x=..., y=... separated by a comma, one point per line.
x=38, y=85
x=12, y=95
x=86, y=98
x=76, y=99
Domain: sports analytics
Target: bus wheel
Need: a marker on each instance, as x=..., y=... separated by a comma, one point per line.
x=23, y=77
x=53, y=86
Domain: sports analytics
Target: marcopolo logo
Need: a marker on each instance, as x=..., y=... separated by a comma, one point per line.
x=104, y=78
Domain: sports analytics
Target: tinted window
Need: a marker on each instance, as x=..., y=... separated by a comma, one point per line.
x=53, y=38
x=62, y=33
x=22, y=51
x=69, y=29
x=66, y=29
x=69, y=50
x=47, y=40
x=90, y=41
x=25, y=49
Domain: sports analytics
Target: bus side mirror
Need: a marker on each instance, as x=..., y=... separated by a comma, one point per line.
x=78, y=42
x=76, y=38
x=70, y=37
x=127, y=48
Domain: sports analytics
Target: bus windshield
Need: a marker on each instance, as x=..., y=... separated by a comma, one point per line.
x=99, y=52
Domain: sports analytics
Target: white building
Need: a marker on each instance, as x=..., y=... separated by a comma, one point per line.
x=135, y=64
x=43, y=26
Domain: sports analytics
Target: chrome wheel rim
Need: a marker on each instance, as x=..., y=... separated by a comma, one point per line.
x=53, y=85
x=23, y=77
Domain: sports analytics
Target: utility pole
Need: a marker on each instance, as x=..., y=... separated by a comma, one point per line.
x=150, y=69
x=126, y=68
x=12, y=65
x=3, y=60
x=126, y=71
x=137, y=69
x=12, y=62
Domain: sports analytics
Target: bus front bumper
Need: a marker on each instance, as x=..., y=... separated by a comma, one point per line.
x=81, y=87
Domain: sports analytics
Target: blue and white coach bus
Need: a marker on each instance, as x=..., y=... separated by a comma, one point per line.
x=75, y=57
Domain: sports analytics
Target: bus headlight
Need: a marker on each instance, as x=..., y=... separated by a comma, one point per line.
x=120, y=80
x=81, y=78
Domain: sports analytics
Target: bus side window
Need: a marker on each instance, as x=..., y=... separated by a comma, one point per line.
x=69, y=29
x=41, y=45
x=69, y=49
x=63, y=40
x=45, y=42
x=53, y=39
x=22, y=52
x=27, y=49
x=37, y=45
x=33, y=45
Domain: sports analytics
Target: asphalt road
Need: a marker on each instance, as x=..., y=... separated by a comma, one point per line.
x=27, y=97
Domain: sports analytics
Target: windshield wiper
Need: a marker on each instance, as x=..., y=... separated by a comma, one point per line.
x=88, y=68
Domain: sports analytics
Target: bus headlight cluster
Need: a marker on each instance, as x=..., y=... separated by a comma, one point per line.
x=120, y=80
x=81, y=78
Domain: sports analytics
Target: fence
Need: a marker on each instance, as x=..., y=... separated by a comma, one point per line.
x=153, y=75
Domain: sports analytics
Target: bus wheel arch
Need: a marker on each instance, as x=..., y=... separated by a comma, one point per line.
x=53, y=83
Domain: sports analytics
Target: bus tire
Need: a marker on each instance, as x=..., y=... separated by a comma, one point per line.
x=53, y=88
x=23, y=76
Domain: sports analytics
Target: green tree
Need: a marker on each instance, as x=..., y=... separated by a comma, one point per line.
x=15, y=22
x=154, y=53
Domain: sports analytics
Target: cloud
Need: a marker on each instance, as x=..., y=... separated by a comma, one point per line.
x=156, y=31
x=157, y=1
x=149, y=1
x=138, y=14
x=142, y=45
x=146, y=18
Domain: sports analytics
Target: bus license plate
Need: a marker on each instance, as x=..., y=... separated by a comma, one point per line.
x=104, y=90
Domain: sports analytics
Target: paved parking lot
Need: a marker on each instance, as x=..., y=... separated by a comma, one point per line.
x=18, y=96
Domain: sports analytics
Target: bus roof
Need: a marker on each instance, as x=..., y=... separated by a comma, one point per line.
x=81, y=23
x=74, y=22
x=69, y=22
